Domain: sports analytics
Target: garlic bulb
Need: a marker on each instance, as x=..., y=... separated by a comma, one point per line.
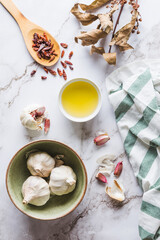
x=32, y=117
x=62, y=180
x=40, y=164
x=35, y=190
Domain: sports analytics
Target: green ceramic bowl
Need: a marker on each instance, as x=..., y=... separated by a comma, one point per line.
x=57, y=206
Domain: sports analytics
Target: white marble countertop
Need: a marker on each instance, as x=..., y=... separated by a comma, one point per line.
x=97, y=217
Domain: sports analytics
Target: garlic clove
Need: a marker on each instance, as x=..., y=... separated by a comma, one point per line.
x=101, y=177
x=118, y=169
x=35, y=190
x=40, y=164
x=46, y=125
x=101, y=139
x=116, y=191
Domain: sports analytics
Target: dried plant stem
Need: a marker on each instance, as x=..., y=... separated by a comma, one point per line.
x=121, y=9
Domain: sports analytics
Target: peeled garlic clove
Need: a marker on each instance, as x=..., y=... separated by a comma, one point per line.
x=116, y=191
x=101, y=139
x=40, y=164
x=101, y=177
x=62, y=180
x=32, y=117
x=35, y=190
x=118, y=169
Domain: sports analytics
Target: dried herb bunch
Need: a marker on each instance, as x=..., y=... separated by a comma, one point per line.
x=106, y=26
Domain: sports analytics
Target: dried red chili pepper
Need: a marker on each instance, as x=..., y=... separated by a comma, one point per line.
x=43, y=77
x=45, y=69
x=52, y=58
x=52, y=72
x=59, y=72
x=33, y=72
x=68, y=62
x=64, y=45
x=70, y=54
x=64, y=64
x=62, y=54
x=71, y=68
x=64, y=75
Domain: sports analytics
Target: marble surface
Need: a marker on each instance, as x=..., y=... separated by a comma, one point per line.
x=97, y=217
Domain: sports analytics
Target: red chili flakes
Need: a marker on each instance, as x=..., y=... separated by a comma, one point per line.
x=43, y=77
x=70, y=54
x=64, y=45
x=64, y=75
x=59, y=72
x=33, y=72
x=62, y=54
x=64, y=64
x=68, y=62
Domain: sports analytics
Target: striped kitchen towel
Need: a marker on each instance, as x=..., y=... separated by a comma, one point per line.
x=134, y=92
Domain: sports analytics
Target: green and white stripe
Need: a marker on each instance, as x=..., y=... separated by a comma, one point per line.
x=134, y=92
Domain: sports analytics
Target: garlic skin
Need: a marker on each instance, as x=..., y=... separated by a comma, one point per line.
x=116, y=191
x=62, y=180
x=35, y=190
x=40, y=164
x=28, y=120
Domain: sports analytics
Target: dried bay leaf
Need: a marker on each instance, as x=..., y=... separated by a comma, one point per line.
x=91, y=37
x=110, y=58
x=84, y=18
x=95, y=4
x=99, y=50
x=121, y=37
x=106, y=20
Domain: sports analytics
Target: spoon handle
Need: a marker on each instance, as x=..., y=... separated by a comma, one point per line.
x=13, y=10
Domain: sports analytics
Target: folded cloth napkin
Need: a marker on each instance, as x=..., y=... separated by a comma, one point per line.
x=134, y=92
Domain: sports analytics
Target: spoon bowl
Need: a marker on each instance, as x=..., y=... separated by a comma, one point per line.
x=28, y=29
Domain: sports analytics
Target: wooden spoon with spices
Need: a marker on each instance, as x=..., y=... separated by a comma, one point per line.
x=28, y=30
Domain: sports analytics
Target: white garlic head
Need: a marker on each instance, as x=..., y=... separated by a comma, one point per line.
x=32, y=117
x=35, y=190
x=40, y=164
x=62, y=180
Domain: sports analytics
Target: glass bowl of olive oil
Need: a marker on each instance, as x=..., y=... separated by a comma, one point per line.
x=80, y=100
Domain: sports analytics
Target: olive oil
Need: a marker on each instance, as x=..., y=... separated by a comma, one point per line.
x=80, y=99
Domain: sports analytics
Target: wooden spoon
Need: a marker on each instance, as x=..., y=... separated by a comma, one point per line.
x=28, y=29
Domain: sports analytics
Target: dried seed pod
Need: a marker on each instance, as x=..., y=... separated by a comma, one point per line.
x=101, y=177
x=118, y=169
x=52, y=72
x=45, y=69
x=101, y=139
x=71, y=68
